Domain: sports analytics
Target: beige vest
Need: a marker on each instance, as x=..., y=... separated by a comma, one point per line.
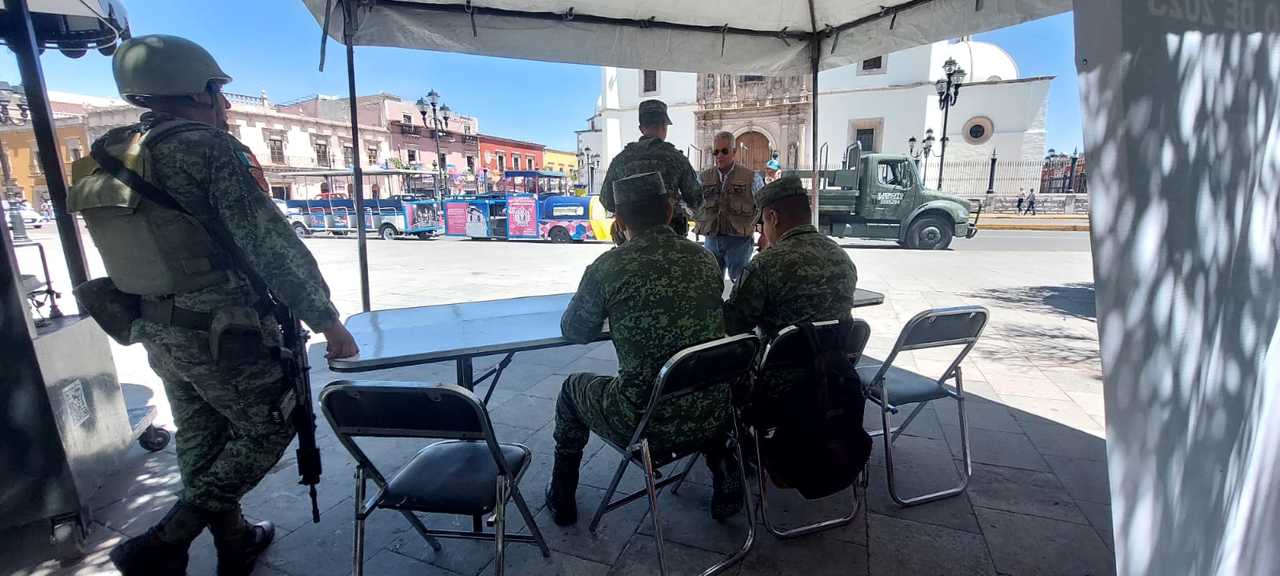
x=731, y=212
x=147, y=249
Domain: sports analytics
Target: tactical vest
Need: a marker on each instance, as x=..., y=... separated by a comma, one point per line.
x=148, y=249
x=732, y=213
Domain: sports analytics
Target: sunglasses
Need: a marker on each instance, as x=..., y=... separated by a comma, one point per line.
x=720, y=151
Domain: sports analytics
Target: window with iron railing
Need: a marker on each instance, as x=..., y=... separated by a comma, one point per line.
x=276, y=146
x=373, y=156
x=322, y=154
x=348, y=156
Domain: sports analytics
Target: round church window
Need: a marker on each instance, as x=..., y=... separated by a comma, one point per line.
x=978, y=130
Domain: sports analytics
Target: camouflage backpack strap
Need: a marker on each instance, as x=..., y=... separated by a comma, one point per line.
x=172, y=127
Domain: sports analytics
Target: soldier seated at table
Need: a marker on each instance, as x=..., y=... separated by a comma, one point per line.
x=660, y=293
x=800, y=275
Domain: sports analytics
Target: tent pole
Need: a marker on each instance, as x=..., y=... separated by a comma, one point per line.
x=815, y=46
x=21, y=38
x=357, y=173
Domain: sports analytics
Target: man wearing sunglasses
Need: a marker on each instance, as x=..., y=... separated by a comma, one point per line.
x=652, y=153
x=728, y=213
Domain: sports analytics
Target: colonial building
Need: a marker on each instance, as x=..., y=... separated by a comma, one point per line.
x=284, y=141
x=413, y=143
x=561, y=161
x=881, y=102
x=498, y=155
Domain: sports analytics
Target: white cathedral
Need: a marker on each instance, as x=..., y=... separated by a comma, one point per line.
x=881, y=102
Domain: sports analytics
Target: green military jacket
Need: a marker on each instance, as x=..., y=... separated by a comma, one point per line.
x=214, y=176
x=660, y=294
x=803, y=277
x=654, y=155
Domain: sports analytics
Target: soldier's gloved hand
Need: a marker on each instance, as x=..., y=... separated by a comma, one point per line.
x=340, y=343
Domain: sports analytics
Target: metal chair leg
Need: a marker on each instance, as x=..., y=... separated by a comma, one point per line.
x=675, y=489
x=751, y=521
x=608, y=494
x=528, y=520
x=500, y=526
x=358, y=547
x=785, y=533
x=653, y=501
x=888, y=460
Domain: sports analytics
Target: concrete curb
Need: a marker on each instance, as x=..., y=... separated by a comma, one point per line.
x=1036, y=227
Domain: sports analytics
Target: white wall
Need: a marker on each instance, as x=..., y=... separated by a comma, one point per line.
x=1182, y=129
x=903, y=67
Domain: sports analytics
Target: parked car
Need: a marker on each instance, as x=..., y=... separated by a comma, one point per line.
x=30, y=218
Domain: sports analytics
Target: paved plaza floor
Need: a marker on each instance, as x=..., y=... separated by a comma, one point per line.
x=1037, y=503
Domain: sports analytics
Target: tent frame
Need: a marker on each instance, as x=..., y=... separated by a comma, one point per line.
x=351, y=25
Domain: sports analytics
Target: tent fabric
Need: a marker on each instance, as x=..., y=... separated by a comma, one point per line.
x=767, y=37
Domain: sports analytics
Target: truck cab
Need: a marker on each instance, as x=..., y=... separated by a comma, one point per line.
x=883, y=196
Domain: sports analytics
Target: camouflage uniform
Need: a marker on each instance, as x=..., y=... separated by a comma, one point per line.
x=660, y=293
x=802, y=277
x=226, y=440
x=649, y=154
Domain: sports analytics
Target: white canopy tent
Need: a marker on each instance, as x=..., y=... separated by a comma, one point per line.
x=771, y=37
x=1182, y=123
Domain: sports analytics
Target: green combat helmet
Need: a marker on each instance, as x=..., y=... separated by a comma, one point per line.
x=163, y=65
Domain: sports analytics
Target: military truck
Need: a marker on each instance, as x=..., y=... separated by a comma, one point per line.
x=883, y=196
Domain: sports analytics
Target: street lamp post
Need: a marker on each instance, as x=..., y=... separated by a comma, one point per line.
x=10, y=97
x=925, y=151
x=439, y=123
x=590, y=161
x=948, y=92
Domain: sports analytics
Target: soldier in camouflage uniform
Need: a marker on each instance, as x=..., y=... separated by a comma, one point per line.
x=227, y=440
x=660, y=293
x=652, y=153
x=800, y=275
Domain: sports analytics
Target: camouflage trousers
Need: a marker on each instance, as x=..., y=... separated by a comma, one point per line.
x=588, y=403
x=226, y=440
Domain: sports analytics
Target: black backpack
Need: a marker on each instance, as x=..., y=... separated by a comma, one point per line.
x=811, y=437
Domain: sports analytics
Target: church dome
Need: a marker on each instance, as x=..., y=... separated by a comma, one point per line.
x=982, y=61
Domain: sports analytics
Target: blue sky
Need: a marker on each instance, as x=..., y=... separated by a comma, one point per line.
x=274, y=45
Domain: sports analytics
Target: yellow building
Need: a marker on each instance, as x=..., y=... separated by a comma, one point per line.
x=19, y=149
x=561, y=161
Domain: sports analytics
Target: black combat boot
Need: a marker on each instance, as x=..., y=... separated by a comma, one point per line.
x=162, y=549
x=726, y=484
x=239, y=543
x=562, y=491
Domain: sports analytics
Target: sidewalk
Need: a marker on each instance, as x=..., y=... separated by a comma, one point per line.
x=1040, y=222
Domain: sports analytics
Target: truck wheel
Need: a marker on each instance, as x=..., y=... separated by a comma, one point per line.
x=387, y=232
x=929, y=233
x=301, y=231
x=559, y=235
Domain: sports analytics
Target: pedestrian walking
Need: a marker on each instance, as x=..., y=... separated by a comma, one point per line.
x=1031, y=203
x=1021, y=198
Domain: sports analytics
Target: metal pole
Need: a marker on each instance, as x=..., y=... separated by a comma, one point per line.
x=991, y=179
x=1071, y=184
x=435, y=134
x=815, y=48
x=357, y=173
x=942, y=157
x=22, y=40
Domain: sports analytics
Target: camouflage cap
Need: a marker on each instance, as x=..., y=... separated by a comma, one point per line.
x=654, y=112
x=638, y=188
x=785, y=187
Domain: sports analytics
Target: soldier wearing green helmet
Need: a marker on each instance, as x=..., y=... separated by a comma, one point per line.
x=193, y=302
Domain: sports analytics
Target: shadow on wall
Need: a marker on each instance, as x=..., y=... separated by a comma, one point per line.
x=1186, y=198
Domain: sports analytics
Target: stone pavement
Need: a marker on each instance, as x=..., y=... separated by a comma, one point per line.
x=1037, y=503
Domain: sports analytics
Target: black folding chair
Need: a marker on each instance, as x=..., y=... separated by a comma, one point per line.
x=892, y=387
x=790, y=350
x=468, y=473
x=689, y=371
